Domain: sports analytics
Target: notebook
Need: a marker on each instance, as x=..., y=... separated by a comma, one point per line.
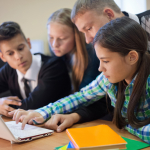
x=99, y=137
x=12, y=132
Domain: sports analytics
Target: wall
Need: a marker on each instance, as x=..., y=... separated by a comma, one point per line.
x=148, y=4
x=32, y=15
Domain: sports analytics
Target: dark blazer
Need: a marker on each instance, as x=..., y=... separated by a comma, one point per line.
x=53, y=83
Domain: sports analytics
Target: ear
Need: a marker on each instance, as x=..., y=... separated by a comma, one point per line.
x=109, y=13
x=29, y=43
x=2, y=57
x=132, y=57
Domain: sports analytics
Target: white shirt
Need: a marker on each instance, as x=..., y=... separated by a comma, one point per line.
x=31, y=75
x=134, y=17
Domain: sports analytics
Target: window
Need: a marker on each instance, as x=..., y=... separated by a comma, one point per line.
x=132, y=6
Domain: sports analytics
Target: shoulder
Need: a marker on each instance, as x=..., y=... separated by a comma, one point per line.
x=7, y=69
x=50, y=60
x=52, y=63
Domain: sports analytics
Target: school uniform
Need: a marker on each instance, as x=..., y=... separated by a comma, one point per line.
x=47, y=78
x=97, y=90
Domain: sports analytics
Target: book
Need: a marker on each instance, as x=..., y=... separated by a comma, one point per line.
x=134, y=145
x=70, y=146
x=99, y=137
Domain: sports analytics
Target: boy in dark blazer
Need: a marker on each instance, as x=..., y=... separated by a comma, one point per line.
x=34, y=80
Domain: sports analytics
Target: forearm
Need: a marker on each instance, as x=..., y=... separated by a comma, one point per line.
x=88, y=95
x=95, y=111
x=143, y=132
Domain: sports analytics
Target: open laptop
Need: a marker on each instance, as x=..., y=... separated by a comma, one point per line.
x=12, y=132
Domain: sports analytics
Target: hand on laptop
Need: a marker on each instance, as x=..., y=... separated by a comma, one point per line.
x=5, y=102
x=26, y=116
x=59, y=122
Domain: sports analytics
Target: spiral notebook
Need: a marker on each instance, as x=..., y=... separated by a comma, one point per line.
x=12, y=132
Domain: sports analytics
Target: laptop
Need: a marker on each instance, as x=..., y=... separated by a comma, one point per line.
x=12, y=132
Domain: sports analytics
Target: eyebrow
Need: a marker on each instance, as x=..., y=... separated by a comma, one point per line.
x=104, y=57
x=11, y=50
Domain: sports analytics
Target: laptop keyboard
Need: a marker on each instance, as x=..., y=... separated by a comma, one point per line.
x=28, y=131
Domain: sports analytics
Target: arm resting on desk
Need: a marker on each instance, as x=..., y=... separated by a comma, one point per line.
x=143, y=132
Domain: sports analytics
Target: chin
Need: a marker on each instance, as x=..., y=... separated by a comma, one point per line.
x=112, y=81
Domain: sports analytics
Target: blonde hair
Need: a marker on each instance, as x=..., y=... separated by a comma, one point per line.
x=81, y=6
x=79, y=54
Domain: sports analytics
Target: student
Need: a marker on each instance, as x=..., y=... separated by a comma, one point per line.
x=121, y=46
x=34, y=80
x=68, y=43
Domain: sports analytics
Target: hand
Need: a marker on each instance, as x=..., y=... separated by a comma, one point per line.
x=6, y=101
x=26, y=117
x=59, y=122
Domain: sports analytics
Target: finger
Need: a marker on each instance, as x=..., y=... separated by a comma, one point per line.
x=12, y=112
x=5, y=112
x=15, y=113
x=63, y=126
x=53, y=122
x=8, y=108
x=30, y=121
x=13, y=98
x=39, y=119
x=19, y=114
x=12, y=102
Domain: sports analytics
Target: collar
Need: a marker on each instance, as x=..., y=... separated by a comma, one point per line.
x=132, y=16
x=33, y=71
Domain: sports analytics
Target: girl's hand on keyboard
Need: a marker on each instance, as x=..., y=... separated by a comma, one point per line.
x=27, y=117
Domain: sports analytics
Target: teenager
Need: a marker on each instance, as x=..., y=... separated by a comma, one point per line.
x=68, y=43
x=34, y=80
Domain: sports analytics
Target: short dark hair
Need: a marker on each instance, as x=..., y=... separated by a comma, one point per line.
x=10, y=29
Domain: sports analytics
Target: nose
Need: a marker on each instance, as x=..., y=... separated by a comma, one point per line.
x=101, y=68
x=18, y=55
x=55, y=43
x=89, y=39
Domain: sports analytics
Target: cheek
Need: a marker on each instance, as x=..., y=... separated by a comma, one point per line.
x=68, y=46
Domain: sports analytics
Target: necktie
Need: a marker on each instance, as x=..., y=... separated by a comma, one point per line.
x=26, y=87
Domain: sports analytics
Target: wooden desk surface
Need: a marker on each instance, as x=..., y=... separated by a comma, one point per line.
x=58, y=139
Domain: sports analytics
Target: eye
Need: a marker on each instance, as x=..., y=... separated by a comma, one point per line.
x=20, y=48
x=106, y=62
x=11, y=53
x=89, y=28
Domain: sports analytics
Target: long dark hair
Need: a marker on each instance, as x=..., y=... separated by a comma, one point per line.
x=123, y=35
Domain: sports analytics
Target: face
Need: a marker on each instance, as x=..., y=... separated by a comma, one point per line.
x=114, y=66
x=89, y=23
x=16, y=52
x=61, y=38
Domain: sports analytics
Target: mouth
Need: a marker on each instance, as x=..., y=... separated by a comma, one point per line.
x=106, y=76
x=23, y=63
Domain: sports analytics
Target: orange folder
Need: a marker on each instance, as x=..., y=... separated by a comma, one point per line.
x=99, y=137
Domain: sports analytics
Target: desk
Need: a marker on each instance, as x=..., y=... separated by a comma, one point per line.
x=58, y=139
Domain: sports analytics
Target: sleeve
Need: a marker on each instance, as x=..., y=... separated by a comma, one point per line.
x=4, y=78
x=95, y=111
x=143, y=132
x=86, y=96
x=91, y=72
x=53, y=84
